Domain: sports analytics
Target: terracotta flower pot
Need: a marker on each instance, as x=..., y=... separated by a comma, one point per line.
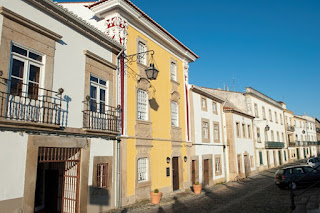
x=155, y=197
x=197, y=188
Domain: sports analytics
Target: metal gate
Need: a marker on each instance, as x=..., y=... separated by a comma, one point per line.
x=67, y=161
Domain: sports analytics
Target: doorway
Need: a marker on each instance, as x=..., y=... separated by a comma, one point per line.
x=175, y=173
x=193, y=171
x=268, y=159
x=206, y=172
x=246, y=165
x=274, y=158
x=280, y=160
x=298, y=154
x=57, y=184
x=239, y=164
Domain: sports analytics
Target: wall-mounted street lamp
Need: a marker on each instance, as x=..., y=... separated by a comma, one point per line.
x=185, y=158
x=303, y=132
x=267, y=128
x=152, y=72
x=168, y=160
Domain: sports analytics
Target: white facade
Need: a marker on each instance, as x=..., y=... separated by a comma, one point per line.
x=209, y=147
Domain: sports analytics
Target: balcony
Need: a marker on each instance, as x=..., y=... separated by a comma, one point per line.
x=290, y=128
x=101, y=117
x=292, y=144
x=29, y=104
x=274, y=145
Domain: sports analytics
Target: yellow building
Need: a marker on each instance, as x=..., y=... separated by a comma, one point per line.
x=156, y=134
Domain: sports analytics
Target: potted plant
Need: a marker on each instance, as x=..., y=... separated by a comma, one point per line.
x=197, y=188
x=156, y=196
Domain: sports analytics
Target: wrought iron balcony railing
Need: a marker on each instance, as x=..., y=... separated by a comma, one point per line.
x=274, y=145
x=290, y=128
x=292, y=144
x=97, y=116
x=30, y=103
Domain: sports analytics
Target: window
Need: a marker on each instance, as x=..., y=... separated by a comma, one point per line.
x=295, y=123
x=278, y=137
x=260, y=157
x=285, y=155
x=216, y=135
x=142, y=108
x=270, y=115
x=282, y=136
x=204, y=103
x=142, y=58
x=256, y=113
x=272, y=135
x=205, y=131
x=244, y=130
x=142, y=169
x=276, y=117
x=26, y=66
x=174, y=114
x=214, y=107
x=173, y=71
x=98, y=94
x=266, y=135
x=102, y=175
x=264, y=113
x=218, y=165
x=238, y=129
x=281, y=121
x=251, y=161
x=258, y=135
x=249, y=131
x=301, y=125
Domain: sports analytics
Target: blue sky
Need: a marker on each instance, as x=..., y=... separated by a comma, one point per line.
x=270, y=45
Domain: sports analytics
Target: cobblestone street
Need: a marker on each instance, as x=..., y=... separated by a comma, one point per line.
x=257, y=193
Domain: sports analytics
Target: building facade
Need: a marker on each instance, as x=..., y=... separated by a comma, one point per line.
x=156, y=134
x=209, y=157
x=59, y=118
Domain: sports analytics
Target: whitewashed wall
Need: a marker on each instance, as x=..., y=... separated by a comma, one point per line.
x=69, y=61
x=207, y=148
x=242, y=144
x=13, y=150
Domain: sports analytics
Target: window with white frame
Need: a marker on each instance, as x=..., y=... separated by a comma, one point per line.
x=205, y=130
x=214, y=107
x=272, y=135
x=217, y=165
x=142, y=169
x=258, y=135
x=278, y=137
x=204, y=103
x=142, y=108
x=256, y=113
x=270, y=115
x=264, y=112
x=173, y=71
x=276, y=117
x=98, y=94
x=216, y=132
x=281, y=121
x=174, y=114
x=142, y=58
x=249, y=131
x=282, y=137
x=26, y=71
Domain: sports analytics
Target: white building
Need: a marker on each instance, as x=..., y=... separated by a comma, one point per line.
x=302, y=148
x=209, y=152
x=58, y=147
x=311, y=134
x=268, y=125
x=240, y=141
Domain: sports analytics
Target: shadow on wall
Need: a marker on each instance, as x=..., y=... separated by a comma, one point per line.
x=99, y=197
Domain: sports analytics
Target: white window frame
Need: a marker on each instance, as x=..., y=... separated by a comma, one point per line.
x=174, y=114
x=173, y=70
x=142, y=105
x=99, y=87
x=142, y=58
x=142, y=169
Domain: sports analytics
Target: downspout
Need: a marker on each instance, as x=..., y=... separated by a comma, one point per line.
x=118, y=188
x=224, y=145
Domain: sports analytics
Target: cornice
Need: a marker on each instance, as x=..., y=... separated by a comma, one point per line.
x=29, y=24
x=72, y=20
x=99, y=59
x=139, y=19
x=226, y=109
x=206, y=94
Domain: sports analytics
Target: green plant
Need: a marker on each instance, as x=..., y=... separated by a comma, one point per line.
x=156, y=191
x=197, y=183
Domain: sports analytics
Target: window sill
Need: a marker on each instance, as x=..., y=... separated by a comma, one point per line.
x=142, y=65
x=143, y=184
x=143, y=121
x=174, y=82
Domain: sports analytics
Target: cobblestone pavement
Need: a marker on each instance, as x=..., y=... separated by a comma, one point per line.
x=257, y=193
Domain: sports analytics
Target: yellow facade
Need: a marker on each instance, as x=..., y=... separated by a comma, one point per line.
x=160, y=119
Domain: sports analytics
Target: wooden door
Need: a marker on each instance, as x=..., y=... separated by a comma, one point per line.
x=206, y=172
x=274, y=158
x=175, y=173
x=239, y=164
x=247, y=165
x=193, y=170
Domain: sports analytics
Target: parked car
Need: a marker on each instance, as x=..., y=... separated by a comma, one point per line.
x=300, y=175
x=314, y=162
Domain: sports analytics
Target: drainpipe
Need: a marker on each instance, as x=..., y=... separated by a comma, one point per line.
x=224, y=146
x=119, y=201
